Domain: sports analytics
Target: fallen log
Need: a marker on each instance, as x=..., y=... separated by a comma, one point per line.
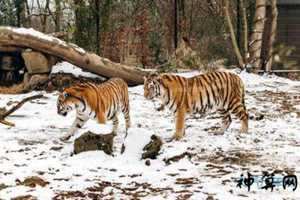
x=5, y=113
x=29, y=38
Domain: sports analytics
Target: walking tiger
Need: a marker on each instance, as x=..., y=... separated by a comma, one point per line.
x=218, y=90
x=95, y=101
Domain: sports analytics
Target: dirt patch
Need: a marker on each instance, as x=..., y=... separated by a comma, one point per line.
x=176, y=158
x=241, y=158
x=69, y=195
x=284, y=100
x=32, y=181
x=24, y=197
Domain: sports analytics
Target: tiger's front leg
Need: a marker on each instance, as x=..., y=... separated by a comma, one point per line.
x=77, y=124
x=115, y=125
x=180, y=123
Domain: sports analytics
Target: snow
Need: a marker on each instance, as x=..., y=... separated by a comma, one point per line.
x=65, y=67
x=271, y=144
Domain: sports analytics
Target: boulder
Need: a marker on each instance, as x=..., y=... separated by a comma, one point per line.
x=37, y=62
x=90, y=141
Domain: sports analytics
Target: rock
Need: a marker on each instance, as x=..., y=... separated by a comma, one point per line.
x=152, y=149
x=90, y=141
x=3, y=186
x=32, y=82
x=148, y=163
x=2, y=110
x=36, y=62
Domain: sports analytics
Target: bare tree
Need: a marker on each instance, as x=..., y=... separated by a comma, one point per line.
x=255, y=44
x=97, y=16
x=58, y=15
x=175, y=24
x=232, y=36
x=245, y=29
x=272, y=35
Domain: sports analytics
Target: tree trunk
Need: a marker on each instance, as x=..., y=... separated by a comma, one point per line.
x=80, y=34
x=245, y=29
x=97, y=16
x=272, y=35
x=182, y=20
x=255, y=45
x=58, y=15
x=175, y=24
x=232, y=36
x=28, y=38
x=21, y=13
x=238, y=23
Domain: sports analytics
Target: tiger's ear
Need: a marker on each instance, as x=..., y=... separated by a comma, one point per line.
x=154, y=74
x=145, y=78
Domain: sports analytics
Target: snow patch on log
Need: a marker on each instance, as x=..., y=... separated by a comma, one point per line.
x=35, y=33
x=65, y=67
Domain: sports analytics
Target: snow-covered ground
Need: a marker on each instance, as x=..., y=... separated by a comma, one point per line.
x=33, y=148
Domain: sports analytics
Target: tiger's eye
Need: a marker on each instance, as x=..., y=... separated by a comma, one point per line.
x=66, y=95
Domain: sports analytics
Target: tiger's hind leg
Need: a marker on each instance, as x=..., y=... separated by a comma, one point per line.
x=180, y=123
x=226, y=120
x=239, y=110
x=126, y=114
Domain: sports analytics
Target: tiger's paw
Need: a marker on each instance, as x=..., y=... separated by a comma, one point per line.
x=220, y=131
x=169, y=139
x=65, y=138
x=244, y=130
x=177, y=136
x=160, y=108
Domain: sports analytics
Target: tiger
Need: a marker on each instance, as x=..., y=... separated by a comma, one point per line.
x=221, y=91
x=101, y=102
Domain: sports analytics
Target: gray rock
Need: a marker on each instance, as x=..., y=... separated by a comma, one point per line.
x=90, y=141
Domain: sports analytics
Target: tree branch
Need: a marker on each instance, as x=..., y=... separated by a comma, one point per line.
x=16, y=107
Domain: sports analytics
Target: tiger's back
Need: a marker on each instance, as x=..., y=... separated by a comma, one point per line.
x=215, y=90
x=112, y=97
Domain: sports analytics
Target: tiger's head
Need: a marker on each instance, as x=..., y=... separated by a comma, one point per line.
x=67, y=101
x=152, y=84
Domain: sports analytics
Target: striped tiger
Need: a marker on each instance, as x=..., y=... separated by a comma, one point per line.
x=95, y=101
x=221, y=91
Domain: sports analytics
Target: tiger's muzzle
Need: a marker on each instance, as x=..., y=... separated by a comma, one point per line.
x=149, y=95
x=62, y=111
